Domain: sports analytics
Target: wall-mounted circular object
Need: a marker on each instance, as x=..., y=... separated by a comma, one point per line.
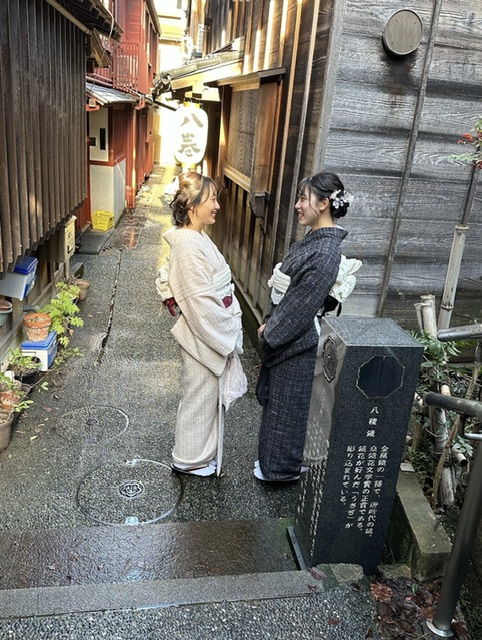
x=403, y=32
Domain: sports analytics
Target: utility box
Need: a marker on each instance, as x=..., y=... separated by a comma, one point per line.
x=69, y=238
x=17, y=283
x=60, y=247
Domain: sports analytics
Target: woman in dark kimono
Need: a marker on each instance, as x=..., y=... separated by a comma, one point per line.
x=289, y=337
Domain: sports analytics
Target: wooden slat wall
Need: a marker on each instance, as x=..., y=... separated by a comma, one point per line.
x=370, y=129
x=42, y=115
x=388, y=127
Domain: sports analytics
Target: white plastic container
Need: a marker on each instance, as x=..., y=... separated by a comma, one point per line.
x=17, y=283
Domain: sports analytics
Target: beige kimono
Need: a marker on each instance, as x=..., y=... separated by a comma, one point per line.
x=210, y=336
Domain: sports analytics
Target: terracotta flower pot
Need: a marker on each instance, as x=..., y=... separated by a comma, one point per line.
x=6, y=419
x=37, y=325
x=8, y=400
x=5, y=310
x=10, y=397
x=83, y=288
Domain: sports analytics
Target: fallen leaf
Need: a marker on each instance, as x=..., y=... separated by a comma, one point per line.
x=380, y=592
x=316, y=573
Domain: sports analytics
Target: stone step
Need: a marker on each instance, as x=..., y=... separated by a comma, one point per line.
x=151, y=594
x=119, y=554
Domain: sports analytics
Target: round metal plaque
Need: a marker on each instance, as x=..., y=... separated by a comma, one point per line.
x=403, y=32
x=129, y=492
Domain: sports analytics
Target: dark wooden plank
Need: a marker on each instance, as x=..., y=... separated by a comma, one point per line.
x=6, y=252
x=19, y=208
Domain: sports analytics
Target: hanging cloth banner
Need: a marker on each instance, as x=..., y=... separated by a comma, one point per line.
x=191, y=134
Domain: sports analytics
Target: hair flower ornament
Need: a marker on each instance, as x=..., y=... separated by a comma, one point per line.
x=339, y=198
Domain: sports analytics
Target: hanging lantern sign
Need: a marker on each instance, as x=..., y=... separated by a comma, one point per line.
x=191, y=134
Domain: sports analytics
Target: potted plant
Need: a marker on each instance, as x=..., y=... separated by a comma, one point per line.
x=83, y=288
x=6, y=420
x=10, y=391
x=64, y=312
x=81, y=283
x=25, y=368
x=13, y=400
x=6, y=308
x=37, y=325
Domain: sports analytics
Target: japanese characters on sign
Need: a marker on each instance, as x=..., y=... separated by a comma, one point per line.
x=362, y=482
x=191, y=135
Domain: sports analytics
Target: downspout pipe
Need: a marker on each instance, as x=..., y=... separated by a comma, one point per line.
x=58, y=7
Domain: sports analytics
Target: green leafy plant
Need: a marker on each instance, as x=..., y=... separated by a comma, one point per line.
x=21, y=364
x=436, y=358
x=22, y=404
x=15, y=399
x=64, y=312
x=6, y=383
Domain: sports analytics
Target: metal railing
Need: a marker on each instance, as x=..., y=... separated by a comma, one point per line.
x=458, y=562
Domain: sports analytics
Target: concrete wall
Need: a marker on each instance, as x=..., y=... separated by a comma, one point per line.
x=108, y=188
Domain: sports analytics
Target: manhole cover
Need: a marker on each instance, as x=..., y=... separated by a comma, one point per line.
x=129, y=492
x=90, y=425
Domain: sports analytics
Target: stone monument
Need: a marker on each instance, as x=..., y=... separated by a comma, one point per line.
x=365, y=379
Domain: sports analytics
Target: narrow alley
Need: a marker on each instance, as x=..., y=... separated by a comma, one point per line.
x=93, y=519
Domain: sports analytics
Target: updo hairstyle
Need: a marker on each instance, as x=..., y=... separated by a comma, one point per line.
x=194, y=189
x=328, y=185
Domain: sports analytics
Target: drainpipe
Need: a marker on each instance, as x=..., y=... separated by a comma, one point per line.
x=58, y=7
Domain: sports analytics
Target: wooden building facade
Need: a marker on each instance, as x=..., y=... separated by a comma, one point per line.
x=323, y=86
x=120, y=120
x=44, y=47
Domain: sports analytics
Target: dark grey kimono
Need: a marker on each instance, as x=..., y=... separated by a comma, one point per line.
x=289, y=345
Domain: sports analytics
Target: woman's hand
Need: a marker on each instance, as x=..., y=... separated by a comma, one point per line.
x=261, y=330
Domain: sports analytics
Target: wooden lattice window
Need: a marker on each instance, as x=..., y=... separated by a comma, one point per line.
x=241, y=137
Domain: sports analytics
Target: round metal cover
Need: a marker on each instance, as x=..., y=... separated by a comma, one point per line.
x=129, y=492
x=403, y=32
x=90, y=425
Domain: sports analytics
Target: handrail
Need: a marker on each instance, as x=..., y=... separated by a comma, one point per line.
x=467, y=332
x=458, y=562
x=471, y=408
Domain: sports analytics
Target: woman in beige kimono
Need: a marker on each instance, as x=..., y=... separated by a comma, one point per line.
x=208, y=329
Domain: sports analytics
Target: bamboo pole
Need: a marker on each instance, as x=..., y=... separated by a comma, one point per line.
x=427, y=308
x=452, y=278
